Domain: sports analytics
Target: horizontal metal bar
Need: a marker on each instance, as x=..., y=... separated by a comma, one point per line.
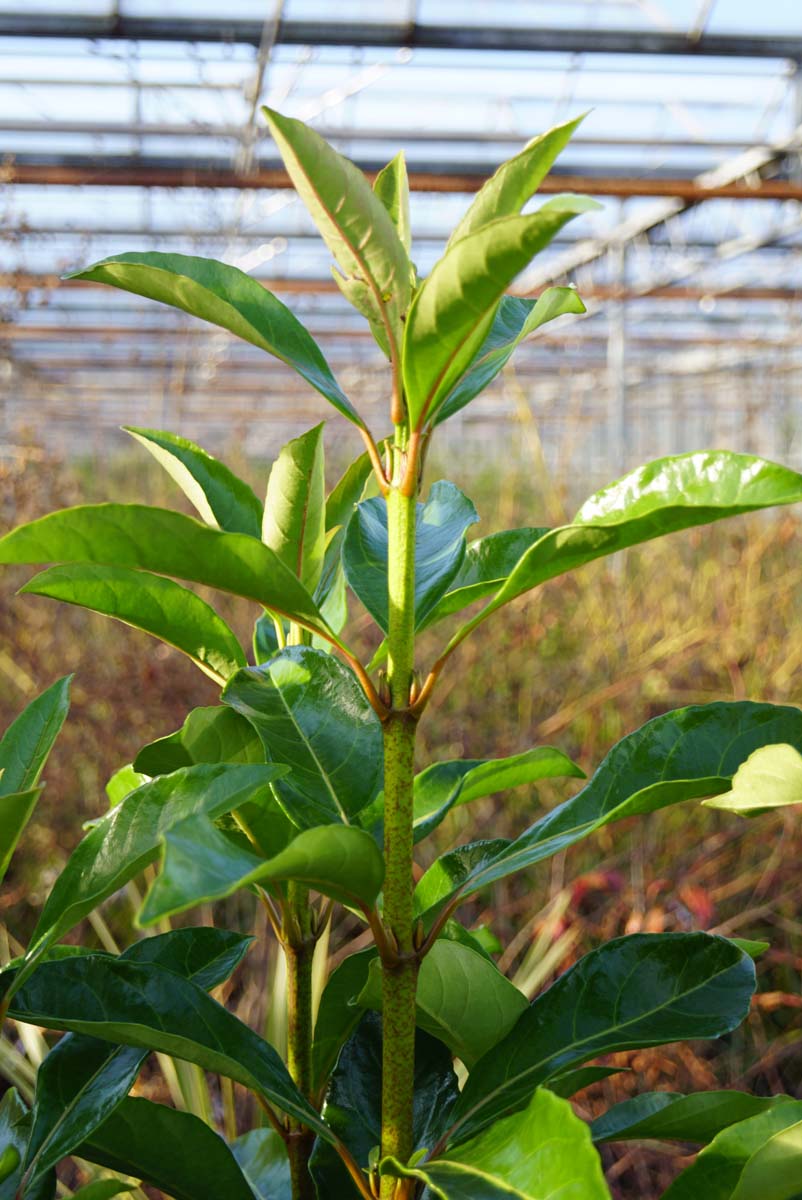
x=124, y=172
x=540, y=38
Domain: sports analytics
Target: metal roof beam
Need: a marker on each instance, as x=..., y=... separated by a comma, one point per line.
x=412, y=35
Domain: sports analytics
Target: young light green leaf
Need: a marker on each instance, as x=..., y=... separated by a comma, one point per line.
x=642, y=990
x=26, y=743
x=771, y=777
x=103, y=1189
x=336, y=763
x=294, y=517
x=149, y=602
x=439, y=549
x=516, y=180
x=391, y=185
x=122, y=782
x=201, y=864
x=352, y=221
x=681, y=755
x=514, y=321
x=215, y=734
x=338, y=1013
x=541, y=1153
x=757, y=1159
x=352, y=1112
x=261, y=1155
x=453, y=309
x=125, y=841
x=222, y=499
x=668, y=1116
x=227, y=297
x=462, y=999
x=175, y=1152
x=169, y=543
x=662, y=497
x=141, y=1004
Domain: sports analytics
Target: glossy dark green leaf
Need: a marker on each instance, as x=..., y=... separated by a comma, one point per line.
x=145, y=1005
x=129, y=837
x=462, y=999
x=662, y=497
x=445, y=785
x=670, y=1116
x=294, y=518
x=336, y=763
x=15, y=1123
x=541, y=1153
x=227, y=297
x=391, y=185
x=352, y=1110
x=262, y=1157
x=26, y=743
x=514, y=321
x=681, y=755
x=516, y=180
x=201, y=864
x=439, y=549
x=151, y=603
x=169, y=543
x=172, y=1151
x=215, y=734
x=757, y=1159
x=643, y=990
x=770, y=778
x=352, y=221
x=338, y=1013
x=453, y=309
x=222, y=499
x=83, y=1079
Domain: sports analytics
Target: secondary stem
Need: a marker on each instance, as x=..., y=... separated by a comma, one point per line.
x=299, y=948
x=399, y=978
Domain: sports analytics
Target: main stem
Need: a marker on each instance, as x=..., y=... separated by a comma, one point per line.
x=399, y=978
x=299, y=949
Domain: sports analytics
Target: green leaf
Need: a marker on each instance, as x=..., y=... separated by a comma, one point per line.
x=352, y=221
x=123, y=782
x=757, y=1159
x=172, y=1151
x=445, y=785
x=262, y=1158
x=352, y=1111
x=201, y=865
x=103, y=1189
x=681, y=755
x=771, y=777
x=16, y=810
x=155, y=539
x=227, y=297
x=125, y=841
x=209, y=735
x=571, y=1082
x=662, y=497
x=462, y=999
x=643, y=990
x=342, y=500
x=439, y=549
x=141, y=1004
x=453, y=310
x=670, y=1116
x=541, y=1153
x=26, y=743
x=82, y=1080
x=15, y=1122
x=515, y=319
x=516, y=180
x=149, y=602
x=338, y=1013
x=391, y=185
x=336, y=763
x=294, y=518
x=222, y=499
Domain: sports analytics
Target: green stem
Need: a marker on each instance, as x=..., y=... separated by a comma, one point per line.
x=399, y=977
x=299, y=949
